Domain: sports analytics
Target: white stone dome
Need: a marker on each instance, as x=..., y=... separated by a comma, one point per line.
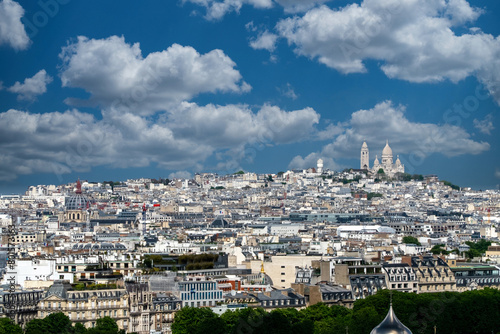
x=387, y=149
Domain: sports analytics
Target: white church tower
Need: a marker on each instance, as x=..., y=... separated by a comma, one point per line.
x=319, y=166
x=365, y=157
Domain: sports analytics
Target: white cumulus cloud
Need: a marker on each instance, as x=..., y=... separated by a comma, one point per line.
x=12, y=30
x=235, y=125
x=413, y=40
x=298, y=162
x=296, y=6
x=388, y=122
x=182, y=174
x=216, y=9
x=177, y=140
x=485, y=125
x=264, y=41
x=31, y=87
x=117, y=75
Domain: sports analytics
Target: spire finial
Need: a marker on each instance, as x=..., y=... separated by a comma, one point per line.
x=390, y=297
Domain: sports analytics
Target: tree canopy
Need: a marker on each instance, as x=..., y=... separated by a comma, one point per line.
x=451, y=312
x=439, y=249
x=59, y=323
x=477, y=249
x=7, y=326
x=411, y=240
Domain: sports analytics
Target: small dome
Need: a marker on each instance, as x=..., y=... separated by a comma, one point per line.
x=219, y=222
x=387, y=149
x=77, y=202
x=391, y=325
x=364, y=145
x=376, y=162
x=398, y=162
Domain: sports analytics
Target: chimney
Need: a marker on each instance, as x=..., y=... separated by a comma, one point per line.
x=406, y=259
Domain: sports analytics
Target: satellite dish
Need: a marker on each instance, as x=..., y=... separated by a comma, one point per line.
x=233, y=293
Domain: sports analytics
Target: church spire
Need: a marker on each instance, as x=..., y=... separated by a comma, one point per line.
x=78, y=187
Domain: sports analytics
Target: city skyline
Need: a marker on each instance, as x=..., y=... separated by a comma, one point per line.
x=112, y=91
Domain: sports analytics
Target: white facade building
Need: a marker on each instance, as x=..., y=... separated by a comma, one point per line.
x=35, y=270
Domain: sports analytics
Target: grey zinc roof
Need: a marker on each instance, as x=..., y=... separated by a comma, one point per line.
x=58, y=289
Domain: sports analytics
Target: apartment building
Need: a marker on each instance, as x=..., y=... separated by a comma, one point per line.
x=400, y=277
x=86, y=306
x=200, y=293
x=432, y=272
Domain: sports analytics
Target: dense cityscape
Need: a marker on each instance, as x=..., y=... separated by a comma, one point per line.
x=249, y=167
x=139, y=251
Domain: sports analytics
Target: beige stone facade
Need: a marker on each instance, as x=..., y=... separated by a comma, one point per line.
x=87, y=306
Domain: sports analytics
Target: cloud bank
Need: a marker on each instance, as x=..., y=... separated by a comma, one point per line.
x=412, y=40
x=117, y=75
x=12, y=30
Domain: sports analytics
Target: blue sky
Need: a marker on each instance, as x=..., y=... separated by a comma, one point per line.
x=110, y=90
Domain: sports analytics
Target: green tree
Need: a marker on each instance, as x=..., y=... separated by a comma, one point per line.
x=481, y=246
x=36, y=326
x=364, y=320
x=58, y=323
x=192, y=320
x=55, y=323
x=411, y=240
x=453, y=186
x=369, y=196
x=275, y=323
x=79, y=328
x=7, y=326
x=438, y=249
x=104, y=325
